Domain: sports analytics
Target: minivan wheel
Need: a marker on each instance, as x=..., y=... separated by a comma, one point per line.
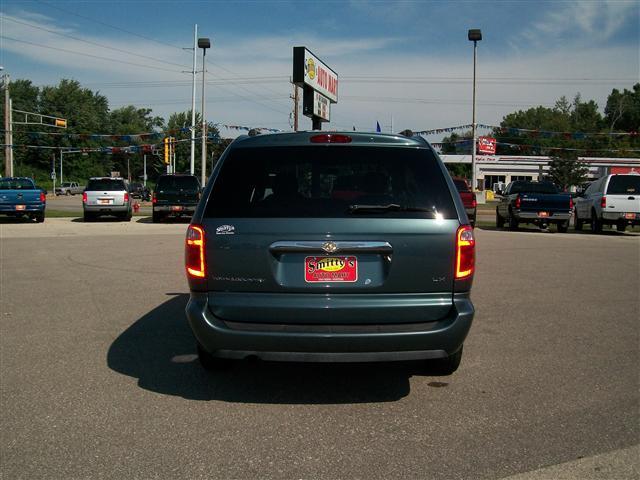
x=596, y=224
x=211, y=363
x=577, y=223
x=499, y=219
x=446, y=366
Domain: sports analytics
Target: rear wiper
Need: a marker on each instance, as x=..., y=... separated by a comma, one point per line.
x=388, y=207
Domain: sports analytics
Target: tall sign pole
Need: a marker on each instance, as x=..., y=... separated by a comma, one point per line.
x=8, y=131
x=192, y=165
x=474, y=35
x=204, y=43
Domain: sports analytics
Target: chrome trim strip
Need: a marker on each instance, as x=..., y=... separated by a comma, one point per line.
x=341, y=247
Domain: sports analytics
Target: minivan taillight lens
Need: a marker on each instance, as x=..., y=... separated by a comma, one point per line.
x=330, y=138
x=518, y=202
x=84, y=197
x=603, y=202
x=194, y=251
x=465, y=252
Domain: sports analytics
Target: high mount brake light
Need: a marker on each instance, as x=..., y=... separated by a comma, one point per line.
x=194, y=251
x=465, y=252
x=330, y=138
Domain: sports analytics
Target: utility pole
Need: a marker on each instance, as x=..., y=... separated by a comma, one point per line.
x=61, y=178
x=192, y=165
x=8, y=130
x=144, y=178
x=295, y=107
x=53, y=172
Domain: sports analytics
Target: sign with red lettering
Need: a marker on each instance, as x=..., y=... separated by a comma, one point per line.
x=309, y=70
x=487, y=145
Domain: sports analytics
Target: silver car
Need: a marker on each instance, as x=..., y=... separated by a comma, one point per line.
x=106, y=196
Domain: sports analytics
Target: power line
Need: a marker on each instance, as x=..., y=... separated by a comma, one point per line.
x=109, y=25
x=95, y=43
x=141, y=65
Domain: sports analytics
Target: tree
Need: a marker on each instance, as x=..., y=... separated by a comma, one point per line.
x=622, y=111
x=565, y=170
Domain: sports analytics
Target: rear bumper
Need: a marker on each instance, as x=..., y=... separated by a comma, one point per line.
x=177, y=209
x=106, y=209
x=552, y=218
x=615, y=216
x=11, y=209
x=330, y=343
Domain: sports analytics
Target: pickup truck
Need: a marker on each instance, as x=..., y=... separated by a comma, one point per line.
x=69, y=188
x=539, y=203
x=610, y=200
x=468, y=198
x=20, y=197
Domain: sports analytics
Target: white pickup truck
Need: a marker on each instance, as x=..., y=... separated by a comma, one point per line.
x=69, y=188
x=610, y=200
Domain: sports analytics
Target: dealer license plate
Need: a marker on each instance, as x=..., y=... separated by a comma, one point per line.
x=543, y=214
x=330, y=269
x=630, y=216
x=20, y=207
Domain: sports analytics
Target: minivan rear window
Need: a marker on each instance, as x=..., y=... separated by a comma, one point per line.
x=171, y=183
x=321, y=181
x=624, y=185
x=105, y=185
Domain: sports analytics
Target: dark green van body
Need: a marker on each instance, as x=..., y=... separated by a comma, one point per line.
x=400, y=300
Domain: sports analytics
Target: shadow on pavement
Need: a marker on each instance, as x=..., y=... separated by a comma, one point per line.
x=16, y=220
x=552, y=230
x=185, y=220
x=159, y=350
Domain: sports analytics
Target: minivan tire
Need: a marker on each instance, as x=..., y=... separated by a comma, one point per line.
x=211, y=363
x=446, y=366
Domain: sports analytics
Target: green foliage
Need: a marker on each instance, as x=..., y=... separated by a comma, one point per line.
x=565, y=170
x=622, y=111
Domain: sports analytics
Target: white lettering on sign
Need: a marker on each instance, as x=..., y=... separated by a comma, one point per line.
x=321, y=106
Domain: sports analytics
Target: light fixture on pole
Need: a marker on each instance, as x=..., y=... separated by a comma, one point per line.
x=204, y=43
x=474, y=35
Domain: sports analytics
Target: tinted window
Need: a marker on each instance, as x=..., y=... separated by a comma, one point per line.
x=533, y=187
x=16, y=184
x=325, y=181
x=106, y=185
x=177, y=183
x=624, y=185
x=461, y=185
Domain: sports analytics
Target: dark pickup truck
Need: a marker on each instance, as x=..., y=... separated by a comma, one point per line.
x=539, y=203
x=175, y=196
x=20, y=197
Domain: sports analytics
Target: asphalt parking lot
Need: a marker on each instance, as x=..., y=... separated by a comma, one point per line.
x=99, y=377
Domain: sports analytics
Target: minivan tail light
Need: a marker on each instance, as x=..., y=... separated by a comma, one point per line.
x=465, y=252
x=603, y=202
x=84, y=197
x=331, y=138
x=518, y=202
x=194, y=251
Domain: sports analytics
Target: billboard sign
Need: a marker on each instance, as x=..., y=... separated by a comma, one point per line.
x=309, y=70
x=487, y=145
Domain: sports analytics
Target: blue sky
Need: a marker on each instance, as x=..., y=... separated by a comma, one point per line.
x=409, y=61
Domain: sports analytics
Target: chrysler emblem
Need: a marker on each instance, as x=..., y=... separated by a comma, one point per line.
x=329, y=247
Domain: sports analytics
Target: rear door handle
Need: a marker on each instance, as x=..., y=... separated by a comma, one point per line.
x=329, y=246
x=631, y=198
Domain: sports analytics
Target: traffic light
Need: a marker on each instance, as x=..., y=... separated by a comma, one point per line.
x=167, y=148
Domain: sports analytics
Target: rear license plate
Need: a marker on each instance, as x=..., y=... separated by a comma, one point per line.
x=20, y=207
x=330, y=269
x=543, y=214
x=105, y=201
x=176, y=209
x=630, y=216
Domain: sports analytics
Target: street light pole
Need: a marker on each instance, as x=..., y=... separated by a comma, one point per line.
x=474, y=35
x=192, y=165
x=204, y=43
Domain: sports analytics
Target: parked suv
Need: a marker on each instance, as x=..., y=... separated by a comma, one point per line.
x=330, y=247
x=610, y=200
x=106, y=196
x=175, y=196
